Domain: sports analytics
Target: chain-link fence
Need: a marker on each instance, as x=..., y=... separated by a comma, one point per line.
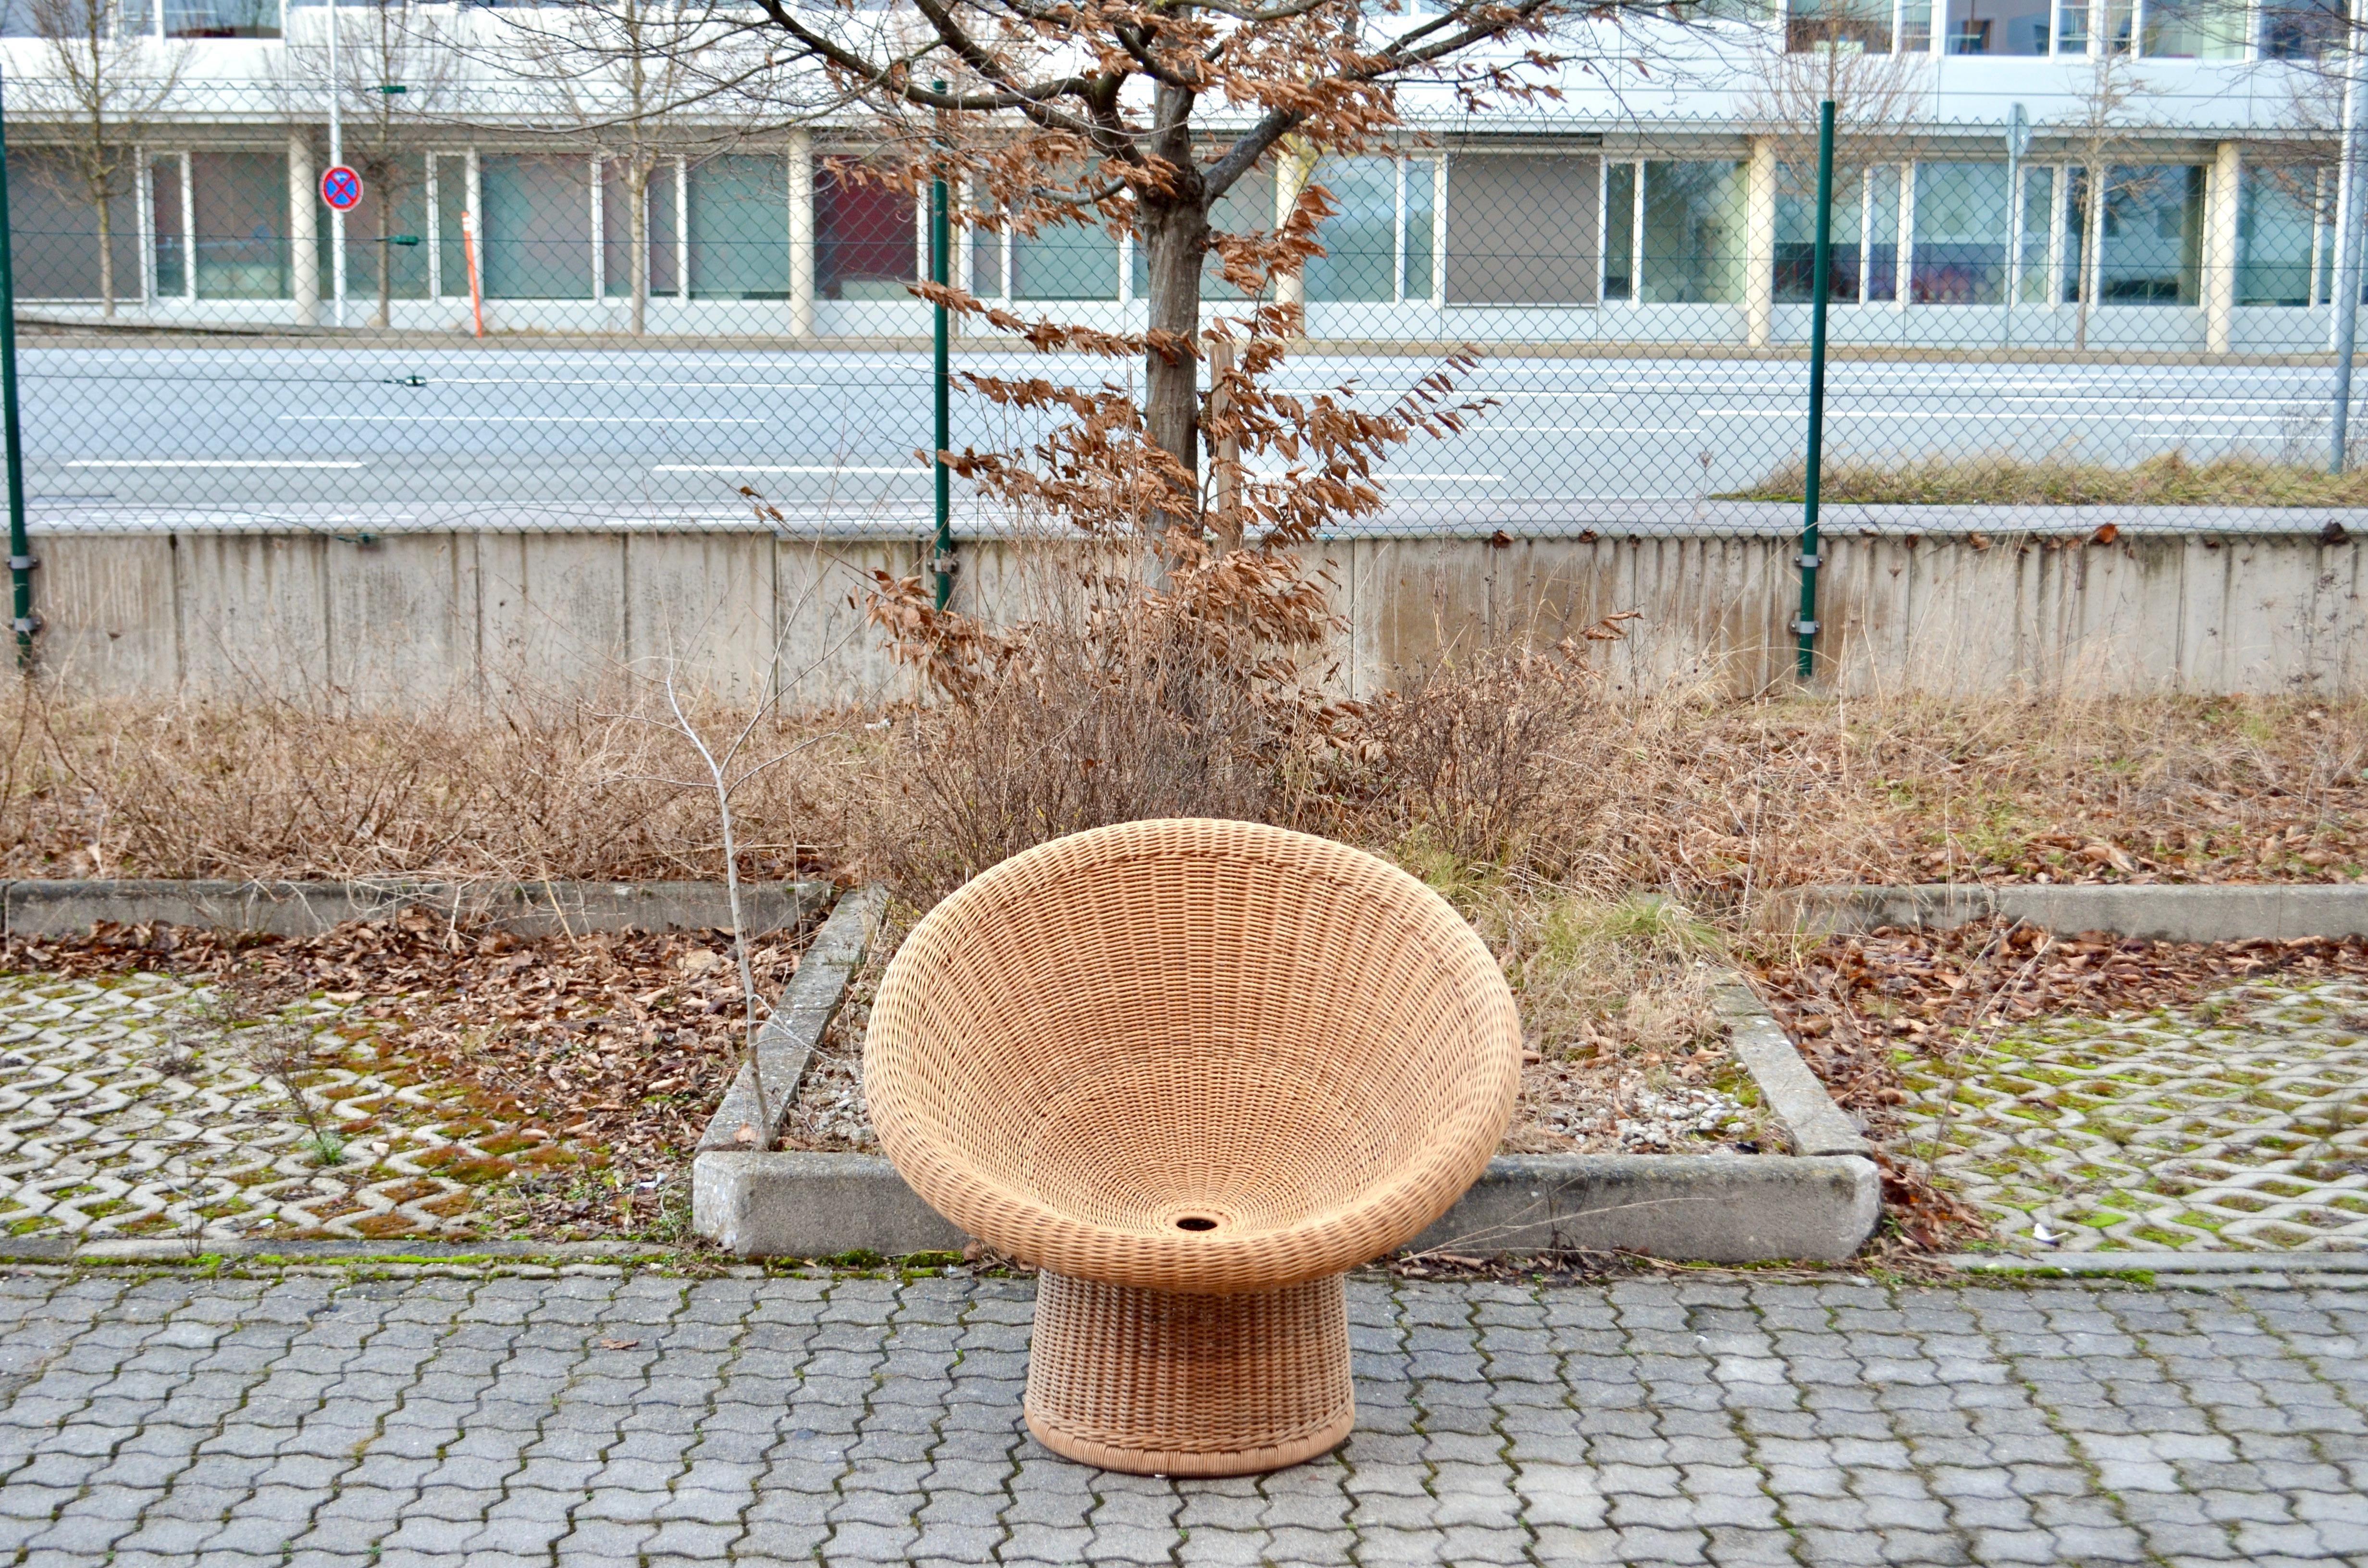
x=2089, y=325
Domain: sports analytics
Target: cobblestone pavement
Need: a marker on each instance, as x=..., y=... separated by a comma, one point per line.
x=124, y=1113
x=2239, y=1125
x=594, y=1418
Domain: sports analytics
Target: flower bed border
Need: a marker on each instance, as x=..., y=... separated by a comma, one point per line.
x=1819, y=1203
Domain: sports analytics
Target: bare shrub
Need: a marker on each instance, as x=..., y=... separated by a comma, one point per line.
x=1465, y=753
x=1112, y=703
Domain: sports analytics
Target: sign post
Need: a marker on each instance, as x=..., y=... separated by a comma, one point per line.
x=337, y=209
x=342, y=189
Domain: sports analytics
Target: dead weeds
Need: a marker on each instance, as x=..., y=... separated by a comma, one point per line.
x=1714, y=803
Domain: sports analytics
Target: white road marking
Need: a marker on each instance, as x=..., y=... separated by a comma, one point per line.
x=515, y=419
x=779, y=468
x=210, y=462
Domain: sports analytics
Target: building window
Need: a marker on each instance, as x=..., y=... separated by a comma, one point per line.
x=1520, y=230
x=1870, y=27
x=2278, y=236
x=867, y=237
x=168, y=195
x=1999, y=26
x=739, y=227
x=1619, y=231
x=1691, y=229
x=1379, y=246
x=1959, y=257
x=2194, y=29
x=53, y=230
x=2152, y=240
x=240, y=203
x=2037, y=243
x=2300, y=29
x=537, y=234
x=1065, y=261
x=222, y=19
x=662, y=195
x=449, y=175
x=1865, y=235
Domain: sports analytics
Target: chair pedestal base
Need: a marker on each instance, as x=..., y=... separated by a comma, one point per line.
x=1158, y=1383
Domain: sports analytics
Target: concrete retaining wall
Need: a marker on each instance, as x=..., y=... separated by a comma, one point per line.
x=408, y=617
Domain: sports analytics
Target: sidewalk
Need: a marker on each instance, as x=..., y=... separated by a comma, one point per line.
x=593, y=1418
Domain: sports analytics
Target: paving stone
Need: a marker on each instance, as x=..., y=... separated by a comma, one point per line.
x=1650, y=1457
x=2226, y=1112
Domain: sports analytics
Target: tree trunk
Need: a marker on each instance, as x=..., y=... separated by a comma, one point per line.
x=106, y=258
x=2092, y=238
x=637, y=231
x=1174, y=233
x=385, y=206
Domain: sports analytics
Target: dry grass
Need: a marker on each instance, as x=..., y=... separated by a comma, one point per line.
x=283, y=789
x=2001, y=479
x=1711, y=802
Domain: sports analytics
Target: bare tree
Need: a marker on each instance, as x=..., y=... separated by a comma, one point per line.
x=1876, y=90
x=2098, y=131
x=105, y=88
x=1142, y=116
x=396, y=64
x=642, y=80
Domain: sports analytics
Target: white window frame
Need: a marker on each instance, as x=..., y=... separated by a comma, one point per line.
x=1636, y=295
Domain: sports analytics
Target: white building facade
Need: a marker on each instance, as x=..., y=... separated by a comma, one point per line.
x=1662, y=201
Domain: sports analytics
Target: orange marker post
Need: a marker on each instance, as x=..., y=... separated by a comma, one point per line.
x=469, y=255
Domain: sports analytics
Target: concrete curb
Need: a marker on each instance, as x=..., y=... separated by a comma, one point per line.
x=307, y=909
x=1809, y=1117
x=1699, y=1207
x=796, y=1026
x=1817, y=1205
x=2164, y=913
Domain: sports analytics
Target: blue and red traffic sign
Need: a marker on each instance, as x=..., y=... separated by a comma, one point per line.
x=341, y=188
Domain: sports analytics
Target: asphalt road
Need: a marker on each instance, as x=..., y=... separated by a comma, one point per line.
x=391, y=437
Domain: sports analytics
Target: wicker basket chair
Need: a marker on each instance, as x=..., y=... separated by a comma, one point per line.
x=1194, y=1071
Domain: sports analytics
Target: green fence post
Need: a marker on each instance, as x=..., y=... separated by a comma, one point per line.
x=940, y=253
x=1805, y=625
x=21, y=549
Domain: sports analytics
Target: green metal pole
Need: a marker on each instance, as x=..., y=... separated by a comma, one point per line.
x=940, y=253
x=1805, y=626
x=21, y=549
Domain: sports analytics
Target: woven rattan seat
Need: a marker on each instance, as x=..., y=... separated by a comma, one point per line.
x=1194, y=1071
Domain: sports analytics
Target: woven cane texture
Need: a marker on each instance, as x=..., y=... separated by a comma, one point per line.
x=1160, y=1384
x=1191, y=1055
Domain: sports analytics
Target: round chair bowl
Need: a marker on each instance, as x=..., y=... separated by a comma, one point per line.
x=1195, y=1071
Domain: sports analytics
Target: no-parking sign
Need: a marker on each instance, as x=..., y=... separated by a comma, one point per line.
x=341, y=188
